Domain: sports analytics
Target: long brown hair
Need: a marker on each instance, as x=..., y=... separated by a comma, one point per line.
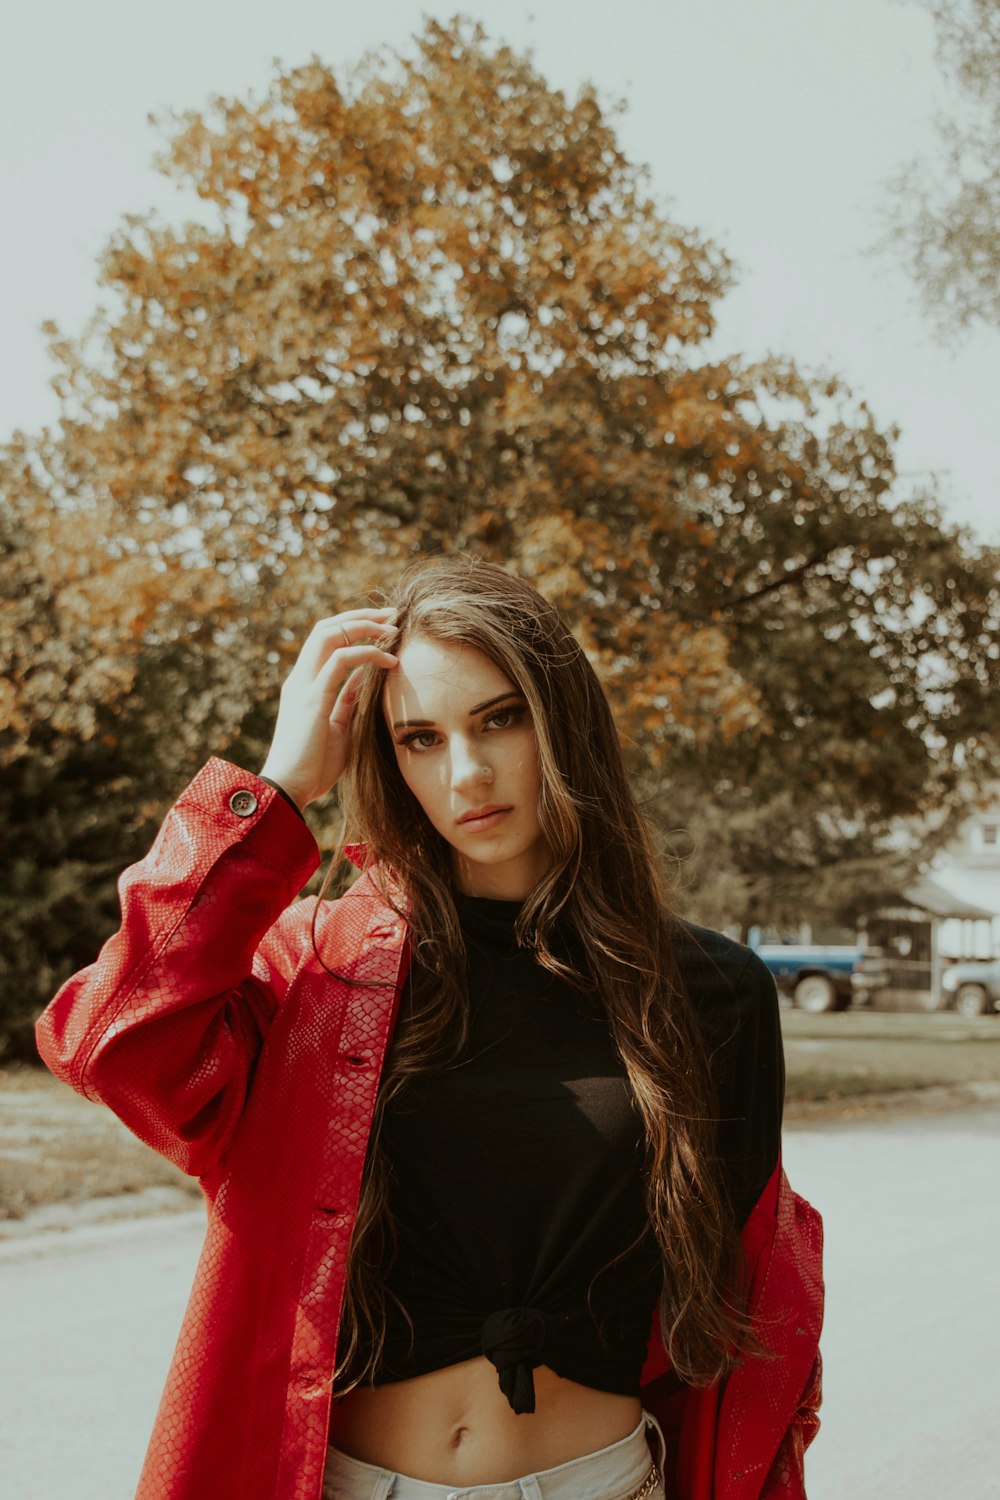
x=605, y=887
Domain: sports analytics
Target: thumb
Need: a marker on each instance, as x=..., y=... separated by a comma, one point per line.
x=343, y=709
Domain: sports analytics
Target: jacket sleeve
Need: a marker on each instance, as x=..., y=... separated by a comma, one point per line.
x=792, y=1302
x=166, y=1025
x=786, y=1477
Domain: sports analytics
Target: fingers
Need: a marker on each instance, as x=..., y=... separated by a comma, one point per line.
x=364, y=612
x=343, y=709
x=352, y=624
x=313, y=727
x=339, y=633
x=380, y=617
x=342, y=663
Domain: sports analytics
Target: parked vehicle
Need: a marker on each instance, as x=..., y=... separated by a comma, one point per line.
x=973, y=989
x=825, y=977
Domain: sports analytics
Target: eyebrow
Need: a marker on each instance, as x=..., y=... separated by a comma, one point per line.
x=479, y=708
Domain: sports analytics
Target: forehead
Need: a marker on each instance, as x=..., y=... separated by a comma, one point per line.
x=438, y=676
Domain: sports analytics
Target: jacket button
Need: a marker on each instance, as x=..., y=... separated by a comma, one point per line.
x=243, y=803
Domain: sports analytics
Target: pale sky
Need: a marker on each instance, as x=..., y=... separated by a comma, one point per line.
x=770, y=125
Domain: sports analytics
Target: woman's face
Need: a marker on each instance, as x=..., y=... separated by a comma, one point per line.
x=465, y=746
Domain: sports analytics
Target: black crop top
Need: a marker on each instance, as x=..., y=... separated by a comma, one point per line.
x=517, y=1185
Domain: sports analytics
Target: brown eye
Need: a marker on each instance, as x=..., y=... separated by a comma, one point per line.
x=510, y=715
x=418, y=734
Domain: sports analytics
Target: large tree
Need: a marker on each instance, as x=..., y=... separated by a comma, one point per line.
x=432, y=306
x=943, y=211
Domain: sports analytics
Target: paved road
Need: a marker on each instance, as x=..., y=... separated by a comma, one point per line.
x=912, y=1219
x=911, y=1375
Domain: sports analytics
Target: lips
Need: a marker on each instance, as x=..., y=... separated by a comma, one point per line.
x=476, y=813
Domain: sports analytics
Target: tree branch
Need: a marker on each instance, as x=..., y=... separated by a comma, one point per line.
x=791, y=576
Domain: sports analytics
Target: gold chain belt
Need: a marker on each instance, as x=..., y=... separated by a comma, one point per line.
x=647, y=1486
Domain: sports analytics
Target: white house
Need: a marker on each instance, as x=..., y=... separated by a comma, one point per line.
x=970, y=869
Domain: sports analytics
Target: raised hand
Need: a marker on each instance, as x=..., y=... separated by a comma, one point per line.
x=311, y=738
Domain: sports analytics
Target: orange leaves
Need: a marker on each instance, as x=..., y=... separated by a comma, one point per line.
x=439, y=311
x=677, y=680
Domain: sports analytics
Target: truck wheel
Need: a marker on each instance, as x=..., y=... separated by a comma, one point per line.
x=816, y=994
x=970, y=1000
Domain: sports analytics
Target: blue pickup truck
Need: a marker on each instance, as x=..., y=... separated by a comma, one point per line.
x=821, y=977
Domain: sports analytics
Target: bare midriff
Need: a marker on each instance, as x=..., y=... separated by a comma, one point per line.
x=455, y=1426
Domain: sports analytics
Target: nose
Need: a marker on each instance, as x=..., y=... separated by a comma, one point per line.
x=468, y=767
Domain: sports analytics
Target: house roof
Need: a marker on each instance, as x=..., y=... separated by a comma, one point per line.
x=928, y=896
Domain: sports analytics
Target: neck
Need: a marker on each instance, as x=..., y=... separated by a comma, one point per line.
x=510, y=881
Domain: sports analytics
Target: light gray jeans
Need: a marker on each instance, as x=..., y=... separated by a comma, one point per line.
x=622, y=1471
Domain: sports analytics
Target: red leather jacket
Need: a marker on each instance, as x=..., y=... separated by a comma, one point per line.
x=207, y=1025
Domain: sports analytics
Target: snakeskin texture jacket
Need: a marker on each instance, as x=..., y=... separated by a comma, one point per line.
x=208, y=1026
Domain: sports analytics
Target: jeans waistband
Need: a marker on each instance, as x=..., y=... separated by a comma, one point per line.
x=611, y=1473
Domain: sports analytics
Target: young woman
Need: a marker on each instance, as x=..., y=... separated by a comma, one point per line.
x=491, y=1144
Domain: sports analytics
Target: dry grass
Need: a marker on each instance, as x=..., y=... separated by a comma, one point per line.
x=862, y=1051
x=56, y=1148
x=873, y=1059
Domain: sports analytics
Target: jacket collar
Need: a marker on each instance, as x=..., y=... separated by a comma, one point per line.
x=360, y=855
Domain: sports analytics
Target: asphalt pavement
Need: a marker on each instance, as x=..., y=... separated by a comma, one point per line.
x=912, y=1383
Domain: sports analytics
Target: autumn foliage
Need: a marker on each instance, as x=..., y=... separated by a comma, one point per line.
x=431, y=306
